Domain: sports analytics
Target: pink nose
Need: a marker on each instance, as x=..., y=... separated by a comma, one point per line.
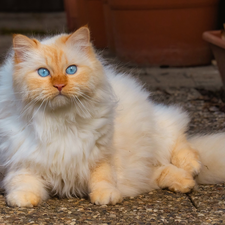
x=59, y=86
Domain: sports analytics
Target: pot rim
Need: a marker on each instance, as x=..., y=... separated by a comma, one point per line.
x=159, y=4
x=214, y=37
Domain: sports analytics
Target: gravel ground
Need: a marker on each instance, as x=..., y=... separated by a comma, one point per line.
x=206, y=108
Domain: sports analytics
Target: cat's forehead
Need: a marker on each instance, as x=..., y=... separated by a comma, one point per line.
x=55, y=50
x=52, y=49
x=53, y=39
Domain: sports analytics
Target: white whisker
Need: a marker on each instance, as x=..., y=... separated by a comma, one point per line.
x=78, y=104
x=30, y=121
x=83, y=106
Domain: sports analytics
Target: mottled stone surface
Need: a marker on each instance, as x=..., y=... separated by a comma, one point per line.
x=209, y=201
x=159, y=206
x=155, y=207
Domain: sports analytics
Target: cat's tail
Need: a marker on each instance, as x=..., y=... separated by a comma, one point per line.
x=211, y=149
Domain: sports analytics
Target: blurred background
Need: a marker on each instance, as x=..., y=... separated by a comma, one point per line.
x=152, y=33
x=36, y=17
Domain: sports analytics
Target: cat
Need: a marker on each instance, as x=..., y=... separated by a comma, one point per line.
x=71, y=126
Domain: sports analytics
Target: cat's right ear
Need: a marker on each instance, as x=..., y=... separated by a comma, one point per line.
x=22, y=45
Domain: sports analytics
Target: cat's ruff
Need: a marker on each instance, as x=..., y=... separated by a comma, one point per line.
x=100, y=136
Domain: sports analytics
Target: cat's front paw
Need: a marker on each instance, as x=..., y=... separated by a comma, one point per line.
x=105, y=196
x=22, y=199
x=183, y=185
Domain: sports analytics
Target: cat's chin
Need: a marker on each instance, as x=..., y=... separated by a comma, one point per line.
x=59, y=101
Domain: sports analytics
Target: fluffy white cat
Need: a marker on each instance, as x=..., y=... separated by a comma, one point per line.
x=73, y=127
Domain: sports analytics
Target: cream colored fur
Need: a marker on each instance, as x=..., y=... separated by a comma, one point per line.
x=212, y=157
x=111, y=143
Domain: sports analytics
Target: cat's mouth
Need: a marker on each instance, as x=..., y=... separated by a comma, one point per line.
x=60, y=97
x=59, y=100
x=60, y=94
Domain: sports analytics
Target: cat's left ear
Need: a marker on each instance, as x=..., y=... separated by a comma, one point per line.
x=80, y=38
x=22, y=45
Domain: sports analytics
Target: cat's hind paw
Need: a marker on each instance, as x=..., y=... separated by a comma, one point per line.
x=175, y=179
x=184, y=186
x=105, y=196
x=188, y=160
x=22, y=199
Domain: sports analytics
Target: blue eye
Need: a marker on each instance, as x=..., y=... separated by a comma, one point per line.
x=71, y=69
x=43, y=72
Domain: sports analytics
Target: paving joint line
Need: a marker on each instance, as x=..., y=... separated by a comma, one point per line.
x=192, y=202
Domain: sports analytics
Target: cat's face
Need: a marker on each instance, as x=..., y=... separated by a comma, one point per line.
x=56, y=71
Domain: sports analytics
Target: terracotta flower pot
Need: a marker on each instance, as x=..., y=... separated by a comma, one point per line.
x=87, y=12
x=96, y=22
x=108, y=26
x=82, y=13
x=71, y=14
x=217, y=45
x=162, y=32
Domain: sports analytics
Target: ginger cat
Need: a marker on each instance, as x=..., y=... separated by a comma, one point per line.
x=73, y=127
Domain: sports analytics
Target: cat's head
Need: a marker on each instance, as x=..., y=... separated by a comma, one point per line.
x=57, y=71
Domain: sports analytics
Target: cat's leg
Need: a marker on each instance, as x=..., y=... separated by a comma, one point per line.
x=102, y=185
x=24, y=189
x=185, y=157
x=174, y=178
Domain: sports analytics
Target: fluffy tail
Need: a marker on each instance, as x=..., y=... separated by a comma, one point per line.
x=211, y=149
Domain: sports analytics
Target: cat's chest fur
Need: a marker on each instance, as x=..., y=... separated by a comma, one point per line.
x=72, y=148
x=62, y=148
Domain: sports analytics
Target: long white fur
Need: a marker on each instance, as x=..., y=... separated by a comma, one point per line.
x=211, y=149
x=60, y=146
